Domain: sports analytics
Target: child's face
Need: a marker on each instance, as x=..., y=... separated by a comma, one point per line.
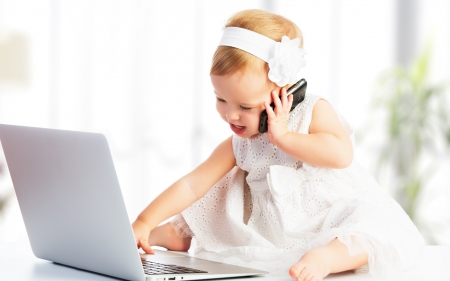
x=240, y=100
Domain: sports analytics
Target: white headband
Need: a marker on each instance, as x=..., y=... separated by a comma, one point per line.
x=285, y=58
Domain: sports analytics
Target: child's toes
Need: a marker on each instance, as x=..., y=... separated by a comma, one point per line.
x=295, y=270
x=316, y=278
x=305, y=275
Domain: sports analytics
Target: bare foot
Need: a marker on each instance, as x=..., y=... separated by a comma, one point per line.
x=313, y=266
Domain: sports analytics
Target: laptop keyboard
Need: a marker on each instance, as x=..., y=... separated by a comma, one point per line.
x=154, y=268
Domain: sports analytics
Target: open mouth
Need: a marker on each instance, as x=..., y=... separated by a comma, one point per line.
x=237, y=129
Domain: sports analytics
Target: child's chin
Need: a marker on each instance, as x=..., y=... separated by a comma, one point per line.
x=250, y=136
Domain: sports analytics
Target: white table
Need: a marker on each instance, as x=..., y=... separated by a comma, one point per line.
x=17, y=262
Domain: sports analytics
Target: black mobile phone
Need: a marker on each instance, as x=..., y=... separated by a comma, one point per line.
x=298, y=91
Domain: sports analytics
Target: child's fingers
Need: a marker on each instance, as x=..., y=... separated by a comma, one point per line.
x=277, y=102
x=145, y=246
x=289, y=103
x=269, y=110
x=148, y=249
x=284, y=98
x=282, y=104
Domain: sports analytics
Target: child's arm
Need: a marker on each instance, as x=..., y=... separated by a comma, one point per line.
x=326, y=145
x=184, y=192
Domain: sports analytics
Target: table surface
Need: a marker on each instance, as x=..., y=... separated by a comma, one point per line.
x=17, y=262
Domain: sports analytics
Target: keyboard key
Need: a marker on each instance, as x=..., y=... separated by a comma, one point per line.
x=154, y=268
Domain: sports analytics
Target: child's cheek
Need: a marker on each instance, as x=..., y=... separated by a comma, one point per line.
x=254, y=119
x=220, y=108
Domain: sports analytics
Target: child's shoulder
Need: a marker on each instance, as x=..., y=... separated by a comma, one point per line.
x=325, y=115
x=322, y=106
x=300, y=118
x=307, y=105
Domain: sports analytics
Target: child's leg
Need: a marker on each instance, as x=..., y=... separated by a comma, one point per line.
x=165, y=236
x=320, y=262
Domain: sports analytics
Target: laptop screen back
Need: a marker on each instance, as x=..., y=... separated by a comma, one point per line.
x=70, y=199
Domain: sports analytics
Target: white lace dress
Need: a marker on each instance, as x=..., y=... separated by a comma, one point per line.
x=271, y=209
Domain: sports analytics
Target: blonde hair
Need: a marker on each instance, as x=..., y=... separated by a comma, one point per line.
x=228, y=60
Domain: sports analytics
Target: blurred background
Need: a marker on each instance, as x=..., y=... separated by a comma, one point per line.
x=138, y=72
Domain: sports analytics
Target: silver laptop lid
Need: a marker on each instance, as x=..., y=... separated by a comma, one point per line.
x=54, y=172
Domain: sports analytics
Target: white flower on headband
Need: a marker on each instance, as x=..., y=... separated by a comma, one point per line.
x=284, y=67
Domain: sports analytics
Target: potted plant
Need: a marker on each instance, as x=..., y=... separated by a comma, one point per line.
x=413, y=116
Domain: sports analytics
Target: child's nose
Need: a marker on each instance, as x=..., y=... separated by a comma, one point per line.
x=232, y=114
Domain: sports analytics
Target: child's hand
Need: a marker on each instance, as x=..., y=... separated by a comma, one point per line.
x=277, y=123
x=141, y=233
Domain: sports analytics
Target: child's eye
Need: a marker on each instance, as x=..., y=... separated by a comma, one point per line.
x=245, y=108
x=219, y=99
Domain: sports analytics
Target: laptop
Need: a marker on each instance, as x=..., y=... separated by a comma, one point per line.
x=74, y=212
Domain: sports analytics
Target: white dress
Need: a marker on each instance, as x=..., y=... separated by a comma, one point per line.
x=271, y=209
